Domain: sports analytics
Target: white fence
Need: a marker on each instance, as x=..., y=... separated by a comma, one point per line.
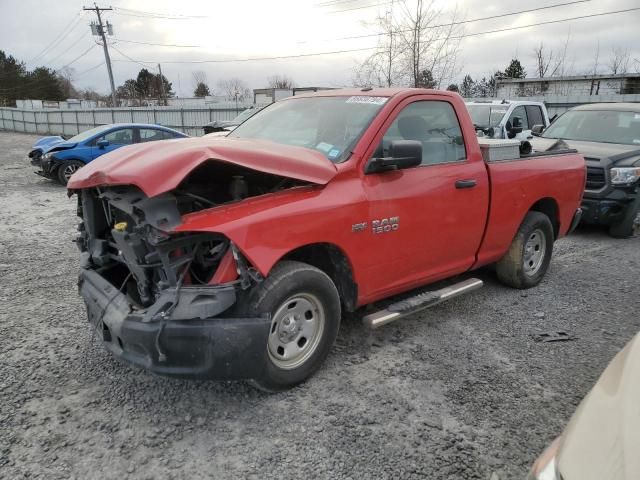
x=72, y=122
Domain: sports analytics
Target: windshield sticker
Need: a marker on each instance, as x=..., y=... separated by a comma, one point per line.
x=499, y=111
x=324, y=147
x=333, y=154
x=636, y=116
x=368, y=100
x=635, y=140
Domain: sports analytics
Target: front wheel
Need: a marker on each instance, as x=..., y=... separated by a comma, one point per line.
x=305, y=317
x=529, y=255
x=629, y=224
x=66, y=169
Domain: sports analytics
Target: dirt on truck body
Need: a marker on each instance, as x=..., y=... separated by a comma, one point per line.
x=235, y=257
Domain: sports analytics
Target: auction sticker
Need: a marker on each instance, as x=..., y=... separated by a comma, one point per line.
x=369, y=100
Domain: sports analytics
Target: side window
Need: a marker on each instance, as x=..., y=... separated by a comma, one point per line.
x=169, y=135
x=150, y=135
x=432, y=123
x=124, y=136
x=534, y=114
x=522, y=114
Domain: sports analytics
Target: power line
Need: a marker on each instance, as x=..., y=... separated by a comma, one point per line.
x=78, y=57
x=142, y=64
x=89, y=70
x=65, y=51
x=157, y=44
x=66, y=31
x=363, y=7
x=256, y=59
x=460, y=22
x=302, y=55
x=140, y=13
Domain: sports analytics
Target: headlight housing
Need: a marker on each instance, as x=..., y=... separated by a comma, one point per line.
x=624, y=175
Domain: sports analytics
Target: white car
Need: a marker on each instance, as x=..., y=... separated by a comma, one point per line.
x=508, y=119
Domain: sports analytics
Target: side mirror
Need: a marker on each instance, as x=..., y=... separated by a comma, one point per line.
x=517, y=122
x=512, y=130
x=103, y=143
x=402, y=154
x=537, y=130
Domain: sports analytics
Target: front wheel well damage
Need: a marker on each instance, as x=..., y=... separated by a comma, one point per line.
x=549, y=207
x=331, y=260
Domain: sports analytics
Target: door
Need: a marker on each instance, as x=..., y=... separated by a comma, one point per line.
x=115, y=138
x=427, y=221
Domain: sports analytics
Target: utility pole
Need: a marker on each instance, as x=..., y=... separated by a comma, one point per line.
x=99, y=29
x=164, y=101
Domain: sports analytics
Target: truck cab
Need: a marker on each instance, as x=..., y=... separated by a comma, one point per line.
x=507, y=118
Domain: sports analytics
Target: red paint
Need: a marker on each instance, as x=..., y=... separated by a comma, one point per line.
x=442, y=231
x=156, y=168
x=226, y=272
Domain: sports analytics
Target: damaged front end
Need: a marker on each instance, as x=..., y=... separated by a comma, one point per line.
x=161, y=300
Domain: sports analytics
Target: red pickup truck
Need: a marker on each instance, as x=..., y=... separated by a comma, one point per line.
x=234, y=257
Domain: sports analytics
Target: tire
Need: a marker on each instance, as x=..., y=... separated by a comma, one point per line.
x=626, y=227
x=66, y=169
x=305, y=317
x=527, y=260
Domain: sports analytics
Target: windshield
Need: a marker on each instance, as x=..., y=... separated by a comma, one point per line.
x=486, y=115
x=604, y=126
x=245, y=114
x=81, y=137
x=330, y=125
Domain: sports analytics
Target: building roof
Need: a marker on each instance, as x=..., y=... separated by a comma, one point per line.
x=573, y=78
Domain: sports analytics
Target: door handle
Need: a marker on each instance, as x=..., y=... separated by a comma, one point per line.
x=466, y=183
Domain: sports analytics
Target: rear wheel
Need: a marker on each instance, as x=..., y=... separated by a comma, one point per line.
x=529, y=255
x=305, y=317
x=66, y=169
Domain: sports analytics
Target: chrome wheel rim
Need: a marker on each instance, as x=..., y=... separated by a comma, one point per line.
x=70, y=170
x=296, y=330
x=534, y=252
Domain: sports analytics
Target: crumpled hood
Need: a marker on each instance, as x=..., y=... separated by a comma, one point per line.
x=595, y=151
x=602, y=438
x=46, y=143
x=157, y=167
x=64, y=145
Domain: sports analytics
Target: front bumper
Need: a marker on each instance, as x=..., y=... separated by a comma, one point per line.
x=211, y=348
x=605, y=210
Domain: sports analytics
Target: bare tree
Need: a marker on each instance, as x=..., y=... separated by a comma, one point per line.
x=619, y=60
x=596, y=60
x=281, y=81
x=416, y=38
x=382, y=69
x=548, y=62
x=201, y=84
x=65, y=79
x=234, y=89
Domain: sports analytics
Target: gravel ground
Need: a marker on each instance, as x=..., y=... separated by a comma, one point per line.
x=459, y=392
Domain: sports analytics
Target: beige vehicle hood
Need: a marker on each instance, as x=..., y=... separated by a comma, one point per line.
x=602, y=440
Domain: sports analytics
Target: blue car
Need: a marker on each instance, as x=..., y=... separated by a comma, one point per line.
x=59, y=158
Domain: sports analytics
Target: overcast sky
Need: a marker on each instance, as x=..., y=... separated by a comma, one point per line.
x=55, y=33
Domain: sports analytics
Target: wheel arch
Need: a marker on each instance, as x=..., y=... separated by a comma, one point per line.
x=549, y=207
x=333, y=261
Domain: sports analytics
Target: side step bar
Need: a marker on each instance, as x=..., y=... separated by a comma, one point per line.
x=419, y=302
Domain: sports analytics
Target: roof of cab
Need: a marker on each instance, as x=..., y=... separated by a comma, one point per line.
x=618, y=107
x=373, y=92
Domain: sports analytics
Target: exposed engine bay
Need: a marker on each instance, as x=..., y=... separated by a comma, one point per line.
x=123, y=235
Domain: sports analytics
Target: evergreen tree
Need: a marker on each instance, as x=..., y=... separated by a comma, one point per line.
x=467, y=88
x=515, y=70
x=202, y=90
